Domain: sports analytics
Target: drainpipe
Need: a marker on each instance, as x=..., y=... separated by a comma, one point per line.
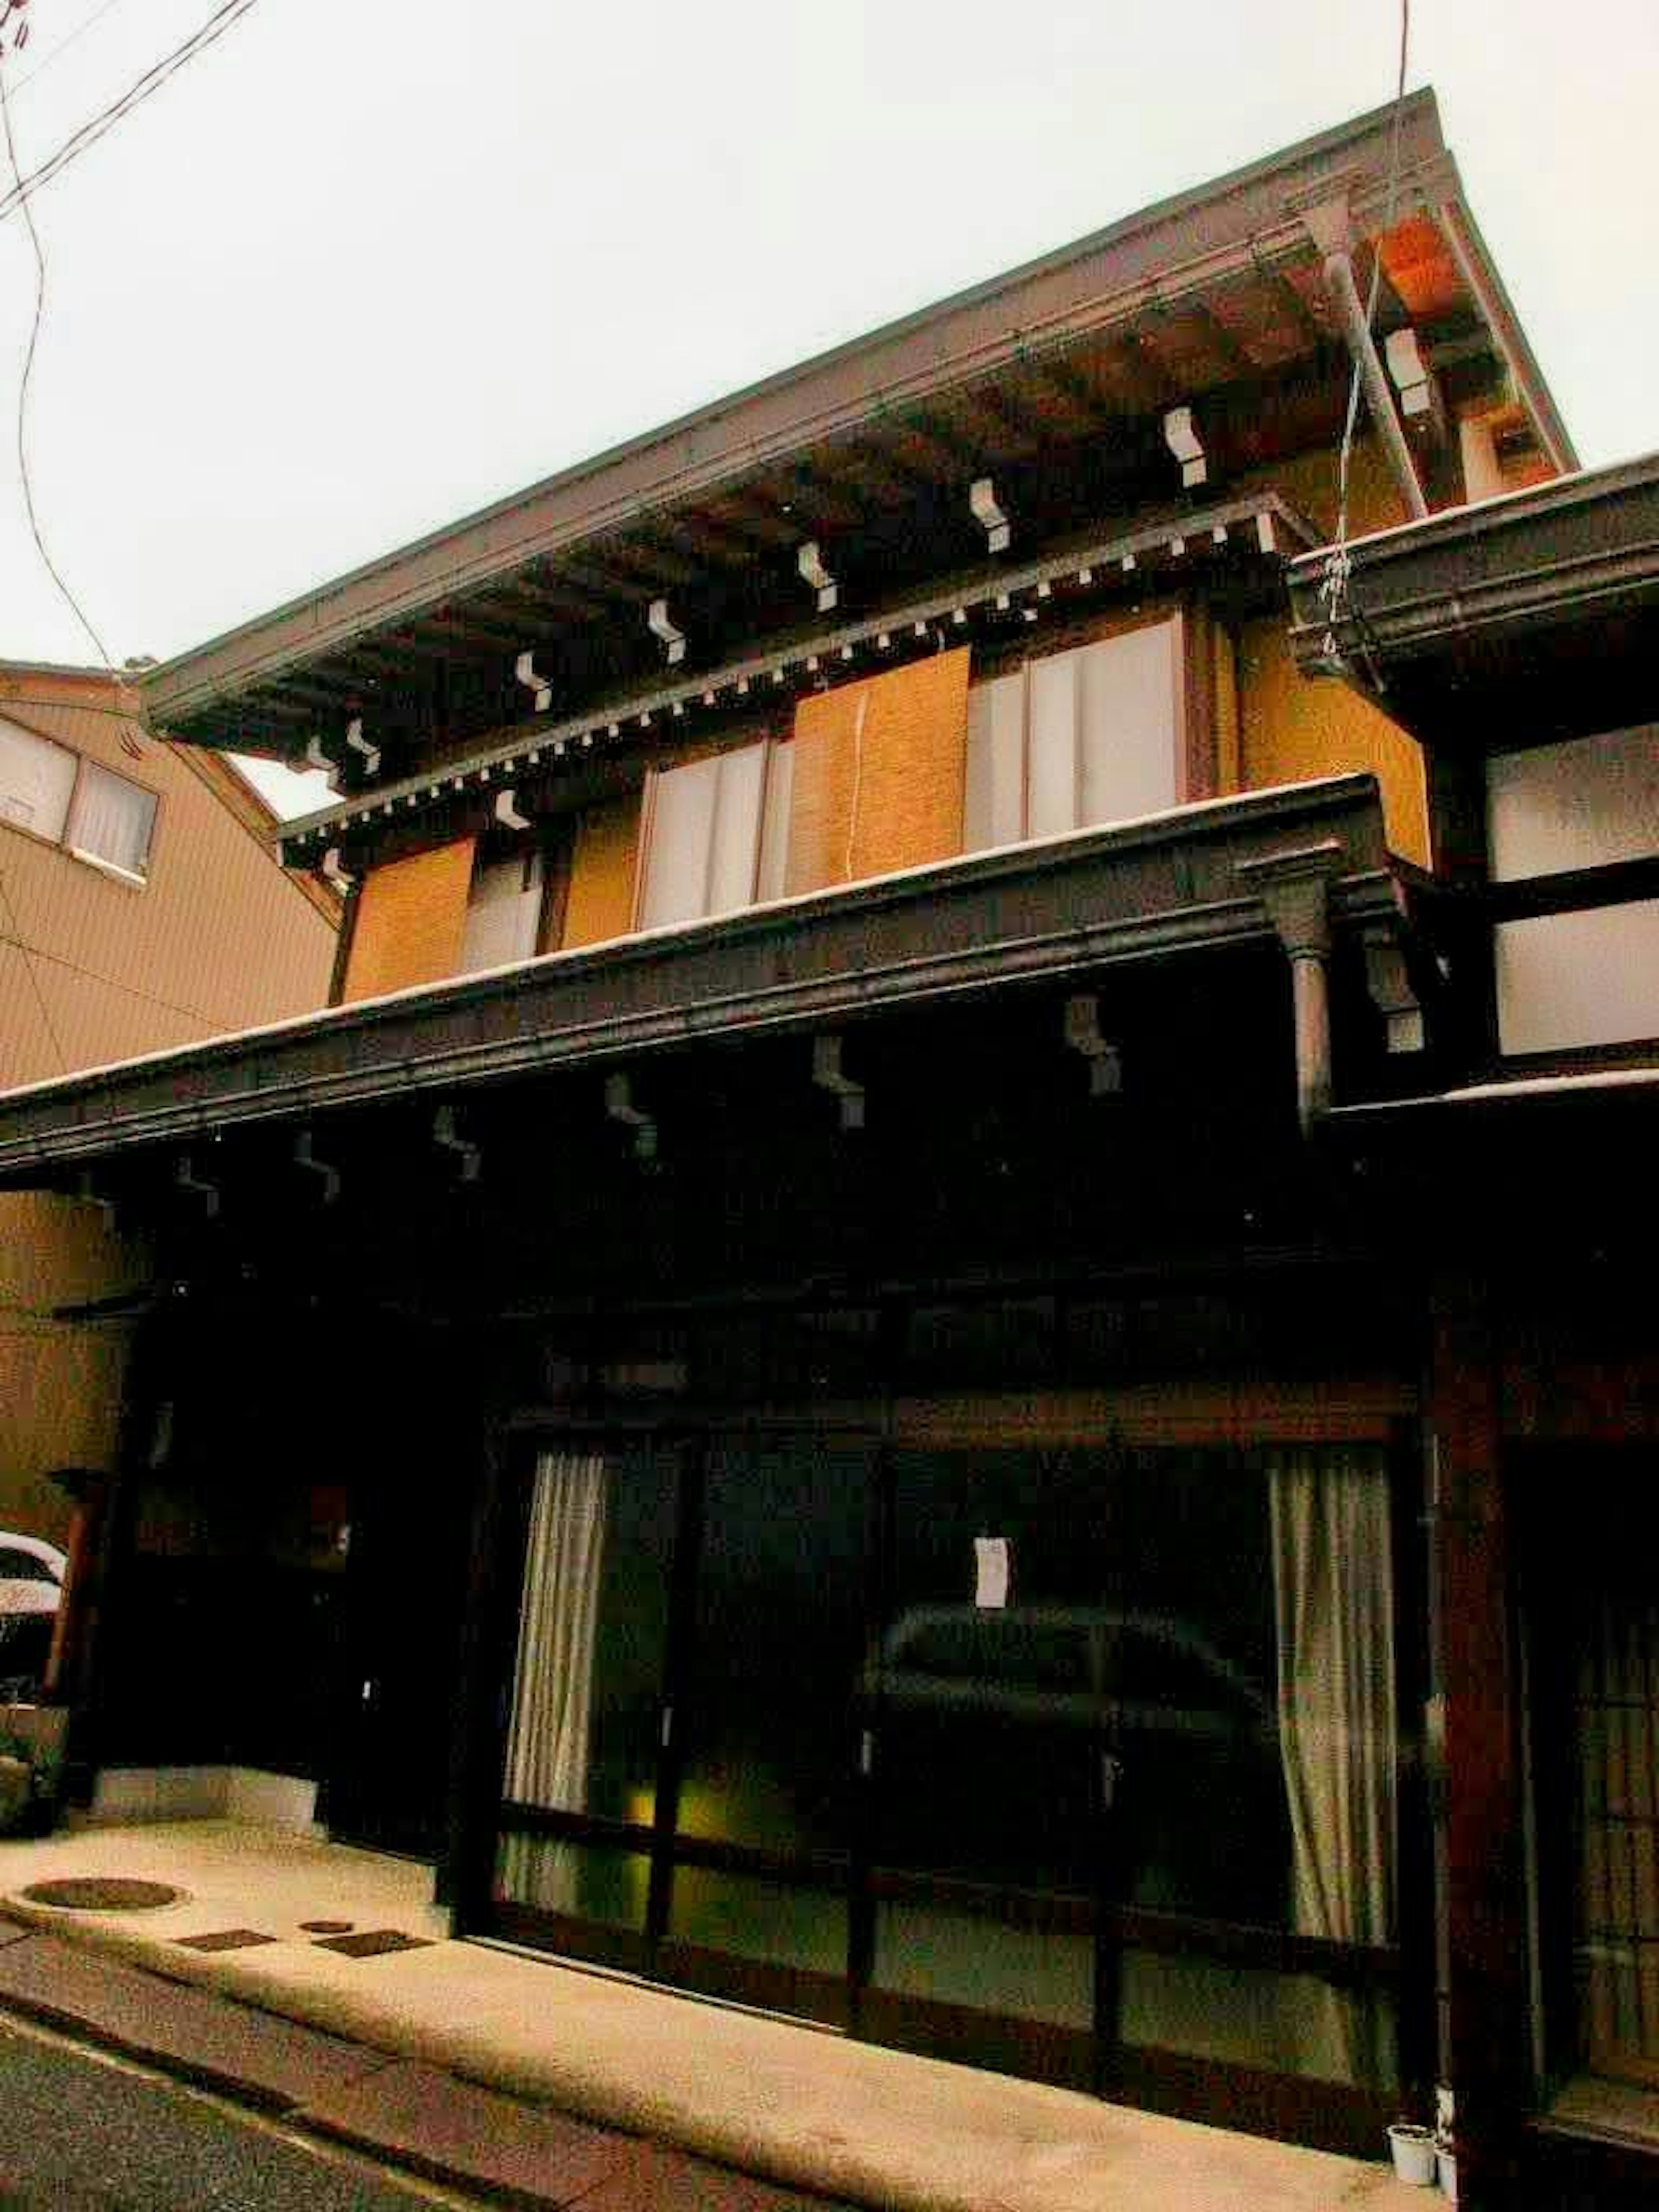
x=1329, y=228
x=1294, y=887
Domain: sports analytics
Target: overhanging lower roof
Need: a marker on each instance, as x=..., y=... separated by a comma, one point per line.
x=1170, y=884
x=1053, y=379
x=1532, y=616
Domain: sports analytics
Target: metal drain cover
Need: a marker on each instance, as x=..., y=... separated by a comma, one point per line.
x=96, y=1893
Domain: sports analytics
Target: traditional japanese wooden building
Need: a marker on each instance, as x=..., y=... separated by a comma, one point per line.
x=833, y=1377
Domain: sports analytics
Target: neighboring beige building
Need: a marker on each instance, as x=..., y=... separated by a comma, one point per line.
x=141, y=906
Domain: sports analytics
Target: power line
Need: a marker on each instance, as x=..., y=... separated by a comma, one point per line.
x=152, y=81
x=28, y=965
x=110, y=982
x=66, y=41
x=52, y=569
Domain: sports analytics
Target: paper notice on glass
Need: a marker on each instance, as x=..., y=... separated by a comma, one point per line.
x=991, y=1572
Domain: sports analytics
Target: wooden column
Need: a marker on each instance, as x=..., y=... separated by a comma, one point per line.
x=1487, y=2053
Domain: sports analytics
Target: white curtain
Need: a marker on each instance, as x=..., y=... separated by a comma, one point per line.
x=549, y=1738
x=111, y=819
x=1333, y=1595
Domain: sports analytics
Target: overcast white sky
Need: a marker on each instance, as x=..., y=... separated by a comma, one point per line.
x=362, y=267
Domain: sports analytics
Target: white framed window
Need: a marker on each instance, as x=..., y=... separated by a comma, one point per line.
x=99, y=816
x=1075, y=739
x=716, y=834
x=504, y=910
x=37, y=781
x=111, y=821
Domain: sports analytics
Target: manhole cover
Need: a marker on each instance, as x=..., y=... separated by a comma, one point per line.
x=328, y=1927
x=102, y=1894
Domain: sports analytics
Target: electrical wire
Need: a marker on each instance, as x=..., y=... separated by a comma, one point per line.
x=111, y=982
x=1374, y=288
x=140, y=90
x=16, y=939
x=63, y=43
x=50, y=565
x=1336, y=575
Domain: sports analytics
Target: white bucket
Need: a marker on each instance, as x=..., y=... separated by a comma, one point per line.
x=1412, y=2149
x=1447, y=2161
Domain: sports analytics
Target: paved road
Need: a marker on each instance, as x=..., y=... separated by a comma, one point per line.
x=79, y=2133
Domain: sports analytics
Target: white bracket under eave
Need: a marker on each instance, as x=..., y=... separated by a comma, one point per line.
x=672, y=637
x=185, y=1177
x=1409, y=373
x=828, y=1075
x=1085, y=1036
x=525, y=669
x=323, y=761
x=809, y=562
x=448, y=1139
x=989, y=514
x=305, y=1157
x=507, y=810
x=336, y=872
x=1180, y=436
x=369, y=754
x=620, y=1105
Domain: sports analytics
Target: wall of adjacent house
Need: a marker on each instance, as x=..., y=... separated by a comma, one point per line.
x=94, y=969
x=60, y=1380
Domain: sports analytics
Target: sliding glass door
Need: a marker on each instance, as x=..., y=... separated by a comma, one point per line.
x=679, y=1771
x=1075, y=1760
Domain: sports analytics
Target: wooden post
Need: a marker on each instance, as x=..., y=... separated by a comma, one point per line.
x=1486, y=2037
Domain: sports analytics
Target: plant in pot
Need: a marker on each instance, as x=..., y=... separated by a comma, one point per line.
x=32, y=1740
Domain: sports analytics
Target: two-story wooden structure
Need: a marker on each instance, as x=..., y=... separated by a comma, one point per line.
x=849, y=1439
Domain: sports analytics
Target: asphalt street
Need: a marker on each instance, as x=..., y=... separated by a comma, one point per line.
x=83, y=2133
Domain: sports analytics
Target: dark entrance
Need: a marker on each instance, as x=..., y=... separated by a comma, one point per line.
x=1067, y=1757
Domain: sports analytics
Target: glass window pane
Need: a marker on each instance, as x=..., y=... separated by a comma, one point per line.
x=1258, y=2016
x=588, y=1881
x=779, y=1638
x=586, y=1715
x=1128, y=691
x=757, y=1919
x=939, y=1952
x=36, y=779
x=112, y=820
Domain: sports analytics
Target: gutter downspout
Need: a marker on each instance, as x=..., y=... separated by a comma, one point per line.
x=1294, y=887
x=1328, y=225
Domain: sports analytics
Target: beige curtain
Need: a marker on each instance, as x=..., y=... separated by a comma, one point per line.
x=1333, y=1597
x=549, y=1738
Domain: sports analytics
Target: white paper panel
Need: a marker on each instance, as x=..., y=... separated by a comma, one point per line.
x=1051, y=791
x=36, y=780
x=683, y=801
x=772, y=876
x=503, y=912
x=1581, y=805
x=1589, y=977
x=1128, y=689
x=994, y=812
x=736, y=836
